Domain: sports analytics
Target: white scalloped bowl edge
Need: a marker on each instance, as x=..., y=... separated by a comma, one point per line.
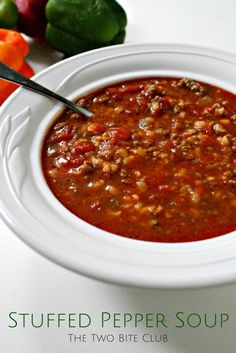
x=30, y=209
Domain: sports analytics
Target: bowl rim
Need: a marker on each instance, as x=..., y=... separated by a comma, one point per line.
x=107, y=276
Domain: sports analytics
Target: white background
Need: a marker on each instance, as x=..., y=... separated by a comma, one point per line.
x=30, y=283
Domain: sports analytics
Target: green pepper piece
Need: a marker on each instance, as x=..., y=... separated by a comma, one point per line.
x=8, y=14
x=92, y=20
x=120, y=13
x=76, y=26
x=67, y=43
x=119, y=38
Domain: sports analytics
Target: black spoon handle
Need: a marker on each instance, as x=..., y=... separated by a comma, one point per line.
x=11, y=75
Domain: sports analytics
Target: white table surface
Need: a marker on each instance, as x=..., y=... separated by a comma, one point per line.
x=30, y=283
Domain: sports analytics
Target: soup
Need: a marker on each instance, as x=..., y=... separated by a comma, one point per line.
x=156, y=162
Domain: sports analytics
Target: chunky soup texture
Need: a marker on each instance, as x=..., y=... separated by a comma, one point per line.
x=156, y=162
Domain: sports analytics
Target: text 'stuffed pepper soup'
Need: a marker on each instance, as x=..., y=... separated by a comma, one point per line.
x=156, y=162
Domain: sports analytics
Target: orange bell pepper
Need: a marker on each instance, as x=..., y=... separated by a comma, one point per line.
x=16, y=39
x=25, y=70
x=10, y=55
x=13, y=49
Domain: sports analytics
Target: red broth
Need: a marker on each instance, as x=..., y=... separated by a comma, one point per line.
x=156, y=162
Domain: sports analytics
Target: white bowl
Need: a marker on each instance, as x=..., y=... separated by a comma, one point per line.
x=30, y=209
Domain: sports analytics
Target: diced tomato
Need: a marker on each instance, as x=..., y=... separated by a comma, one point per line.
x=207, y=128
x=68, y=161
x=125, y=89
x=63, y=134
x=112, y=90
x=168, y=146
x=165, y=103
x=208, y=141
x=95, y=128
x=118, y=132
x=113, y=141
x=81, y=147
x=74, y=161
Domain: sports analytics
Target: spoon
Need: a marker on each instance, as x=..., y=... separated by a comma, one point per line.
x=11, y=75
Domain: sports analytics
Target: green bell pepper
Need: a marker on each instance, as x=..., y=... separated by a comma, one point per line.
x=75, y=26
x=8, y=14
